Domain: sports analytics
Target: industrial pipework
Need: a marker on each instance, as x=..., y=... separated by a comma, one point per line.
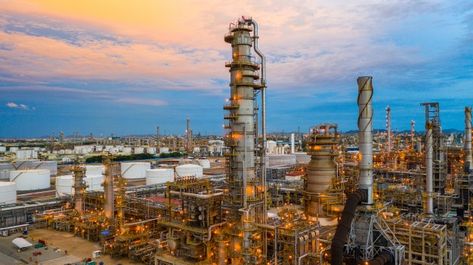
x=365, y=127
x=468, y=154
x=429, y=204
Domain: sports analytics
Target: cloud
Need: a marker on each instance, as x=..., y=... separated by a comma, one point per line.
x=147, y=53
x=13, y=105
x=142, y=101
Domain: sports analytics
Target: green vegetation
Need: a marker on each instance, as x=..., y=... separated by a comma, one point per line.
x=169, y=155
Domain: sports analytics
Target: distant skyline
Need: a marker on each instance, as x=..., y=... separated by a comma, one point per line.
x=125, y=67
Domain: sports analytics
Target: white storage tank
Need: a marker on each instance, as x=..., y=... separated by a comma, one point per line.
x=302, y=158
x=151, y=150
x=164, y=150
x=204, y=163
x=93, y=170
x=94, y=183
x=7, y=193
x=31, y=179
x=159, y=175
x=36, y=164
x=134, y=170
x=280, y=160
x=65, y=185
x=26, y=154
x=127, y=150
x=188, y=170
x=138, y=150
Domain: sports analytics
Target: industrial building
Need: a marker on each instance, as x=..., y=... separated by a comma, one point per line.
x=253, y=198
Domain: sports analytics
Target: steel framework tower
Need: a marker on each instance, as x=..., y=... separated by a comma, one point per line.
x=432, y=115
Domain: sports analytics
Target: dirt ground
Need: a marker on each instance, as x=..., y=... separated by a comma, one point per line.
x=74, y=246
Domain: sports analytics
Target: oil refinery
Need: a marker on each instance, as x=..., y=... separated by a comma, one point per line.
x=250, y=197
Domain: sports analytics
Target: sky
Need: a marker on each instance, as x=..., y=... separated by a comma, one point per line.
x=125, y=67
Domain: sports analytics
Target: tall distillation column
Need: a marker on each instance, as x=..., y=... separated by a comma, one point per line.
x=245, y=174
x=79, y=188
x=365, y=127
x=388, y=128
x=322, y=168
x=413, y=132
x=429, y=203
x=439, y=171
x=188, y=136
x=468, y=154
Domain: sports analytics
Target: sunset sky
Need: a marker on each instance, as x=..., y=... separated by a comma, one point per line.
x=126, y=66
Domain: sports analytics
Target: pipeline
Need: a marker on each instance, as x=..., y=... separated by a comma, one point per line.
x=344, y=226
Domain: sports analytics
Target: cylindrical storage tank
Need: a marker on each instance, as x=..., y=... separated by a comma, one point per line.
x=127, y=150
x=159, y=175
x=7, y=193
x=31, y=179
x=138, y=150
x=302, y=158
x=204, y=163
x=151, y=150
x=189, y=170
x=164, y=150
x=280, y=160
x=93, y=170
x=94, y=183
x=65, y=185
x=134, y=170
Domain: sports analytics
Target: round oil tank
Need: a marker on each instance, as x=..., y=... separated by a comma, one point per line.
x=94, y=170
x=204, y=163
x=302, y=158
x=280, y=160
x=189, y=170
x=65, y=185
x=30, y=179
x=94, y=183
x=134, y=170
x=159, y=175
x=7, y=192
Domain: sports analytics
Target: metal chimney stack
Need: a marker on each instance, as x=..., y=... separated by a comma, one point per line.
x=413, y=132
x=292, y=144
x=109, y=207
x=429, y=204
x=468, y=154
x=365, y=127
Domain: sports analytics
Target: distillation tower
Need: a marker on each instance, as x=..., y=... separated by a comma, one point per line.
x=388, y=128
x=323, y=188
x=246, y=202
